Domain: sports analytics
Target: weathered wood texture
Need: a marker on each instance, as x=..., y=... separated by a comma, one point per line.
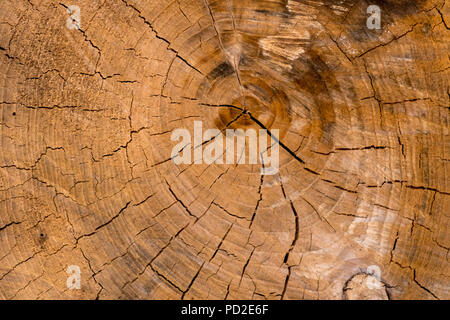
x=86, y=177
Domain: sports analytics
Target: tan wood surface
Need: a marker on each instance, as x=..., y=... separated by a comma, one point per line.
x=85, y=171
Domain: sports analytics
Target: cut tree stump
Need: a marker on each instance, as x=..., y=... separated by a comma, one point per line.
x=358, y=210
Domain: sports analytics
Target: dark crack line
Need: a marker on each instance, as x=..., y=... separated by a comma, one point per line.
x=424, y=288
x=177, y=55
x=389, y=42
x=235, y=67
x=262, y=126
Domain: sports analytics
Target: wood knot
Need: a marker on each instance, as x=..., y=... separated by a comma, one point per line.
x=363, y=286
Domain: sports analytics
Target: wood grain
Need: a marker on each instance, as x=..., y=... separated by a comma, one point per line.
x=85, y=171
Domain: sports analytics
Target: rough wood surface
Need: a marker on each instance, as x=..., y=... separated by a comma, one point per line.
x=86, y=177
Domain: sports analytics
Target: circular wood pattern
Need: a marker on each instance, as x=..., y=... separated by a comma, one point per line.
x=87, y=179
